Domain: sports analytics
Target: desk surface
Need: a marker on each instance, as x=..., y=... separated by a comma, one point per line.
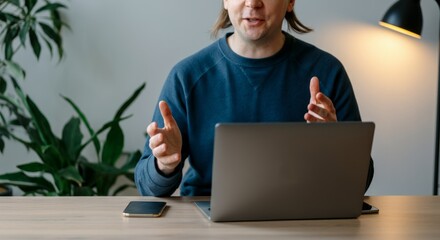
x=400, y=217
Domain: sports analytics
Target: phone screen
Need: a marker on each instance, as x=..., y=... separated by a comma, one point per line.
x=368, y=209
x=144, y=209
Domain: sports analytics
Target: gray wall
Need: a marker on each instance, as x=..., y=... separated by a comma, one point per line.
x=114, y=46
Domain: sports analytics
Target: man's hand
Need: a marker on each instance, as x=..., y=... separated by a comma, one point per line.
x=166, y=142
x=320, y=108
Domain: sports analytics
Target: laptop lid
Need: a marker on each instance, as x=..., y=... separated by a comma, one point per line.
x=276, y=171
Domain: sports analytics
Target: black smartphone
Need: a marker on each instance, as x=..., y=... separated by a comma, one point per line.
x=369, y=209
x=144, y=209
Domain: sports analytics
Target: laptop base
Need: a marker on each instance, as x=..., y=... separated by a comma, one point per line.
x=205, y=208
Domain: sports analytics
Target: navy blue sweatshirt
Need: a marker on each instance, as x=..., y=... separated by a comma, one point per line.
x=217, y=85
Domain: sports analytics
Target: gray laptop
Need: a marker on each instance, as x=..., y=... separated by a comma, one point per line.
x=281, y=171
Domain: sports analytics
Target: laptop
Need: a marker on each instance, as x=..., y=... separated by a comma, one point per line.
x=285, y=171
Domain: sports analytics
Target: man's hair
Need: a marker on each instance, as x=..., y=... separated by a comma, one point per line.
x=293, y=22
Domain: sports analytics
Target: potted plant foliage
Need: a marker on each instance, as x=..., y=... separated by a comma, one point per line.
x=61, y=168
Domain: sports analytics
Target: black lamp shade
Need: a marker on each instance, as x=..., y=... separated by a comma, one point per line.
x=405, y=15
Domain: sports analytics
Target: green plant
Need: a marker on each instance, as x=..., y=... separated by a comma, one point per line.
x=23, y=22
x=62, y=169
x=72, y=173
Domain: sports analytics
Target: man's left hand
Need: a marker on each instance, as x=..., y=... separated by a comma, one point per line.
x=320, y=108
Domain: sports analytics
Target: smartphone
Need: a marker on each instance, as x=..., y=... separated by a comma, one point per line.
x=369, y=209
x=144, y=209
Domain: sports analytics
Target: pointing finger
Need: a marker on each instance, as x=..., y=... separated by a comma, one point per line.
x=167, y=116
x=314, y=89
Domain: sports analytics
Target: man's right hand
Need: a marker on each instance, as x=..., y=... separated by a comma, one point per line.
x=166, y=142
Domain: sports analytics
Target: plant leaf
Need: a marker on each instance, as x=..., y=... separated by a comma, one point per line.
x=8, y=51
x=3, y=17
x=72, y=174
x=102, y=129
x=102, y=169
x=3, y=85
x=105, y=176
x=129, y=176
x=20, y=178
x=132, y=160
x=24, y=31
x=14, y=2
x=11, y=17
x=56, y=19
x=33, y=167
x=35, y=43
x=11, y=33
x=64, y=187
x=52, y=34
x=15, y=70
x=104, y=183
x=49, y=46
x=72, y=138
x=88, y=174
x=35, y=139
x=50, y=7
x=128, y=102
x=31, y=190
x=30, y=4
x=2, y=145
x=83, y=191
x=53, y=156
x=86, y=122
x=52, y=152
x=41, y=124
x=113, y=145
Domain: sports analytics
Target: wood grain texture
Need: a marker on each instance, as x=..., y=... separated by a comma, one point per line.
x=400, y=217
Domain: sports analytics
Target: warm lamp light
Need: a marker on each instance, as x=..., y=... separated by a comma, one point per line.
x=405, y=16
x=399, y=29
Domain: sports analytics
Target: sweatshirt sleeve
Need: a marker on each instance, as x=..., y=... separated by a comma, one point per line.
x=148, y=178
x=150, y=182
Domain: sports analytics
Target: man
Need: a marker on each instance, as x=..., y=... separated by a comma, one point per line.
x=258, y=73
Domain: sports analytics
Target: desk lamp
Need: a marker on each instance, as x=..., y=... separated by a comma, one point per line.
x=405, y=16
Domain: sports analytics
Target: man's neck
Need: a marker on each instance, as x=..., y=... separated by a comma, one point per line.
x=256, y=49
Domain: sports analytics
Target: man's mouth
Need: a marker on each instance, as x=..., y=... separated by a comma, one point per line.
x=253, y=20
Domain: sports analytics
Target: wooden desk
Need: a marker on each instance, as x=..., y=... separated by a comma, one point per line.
x=400, y=217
